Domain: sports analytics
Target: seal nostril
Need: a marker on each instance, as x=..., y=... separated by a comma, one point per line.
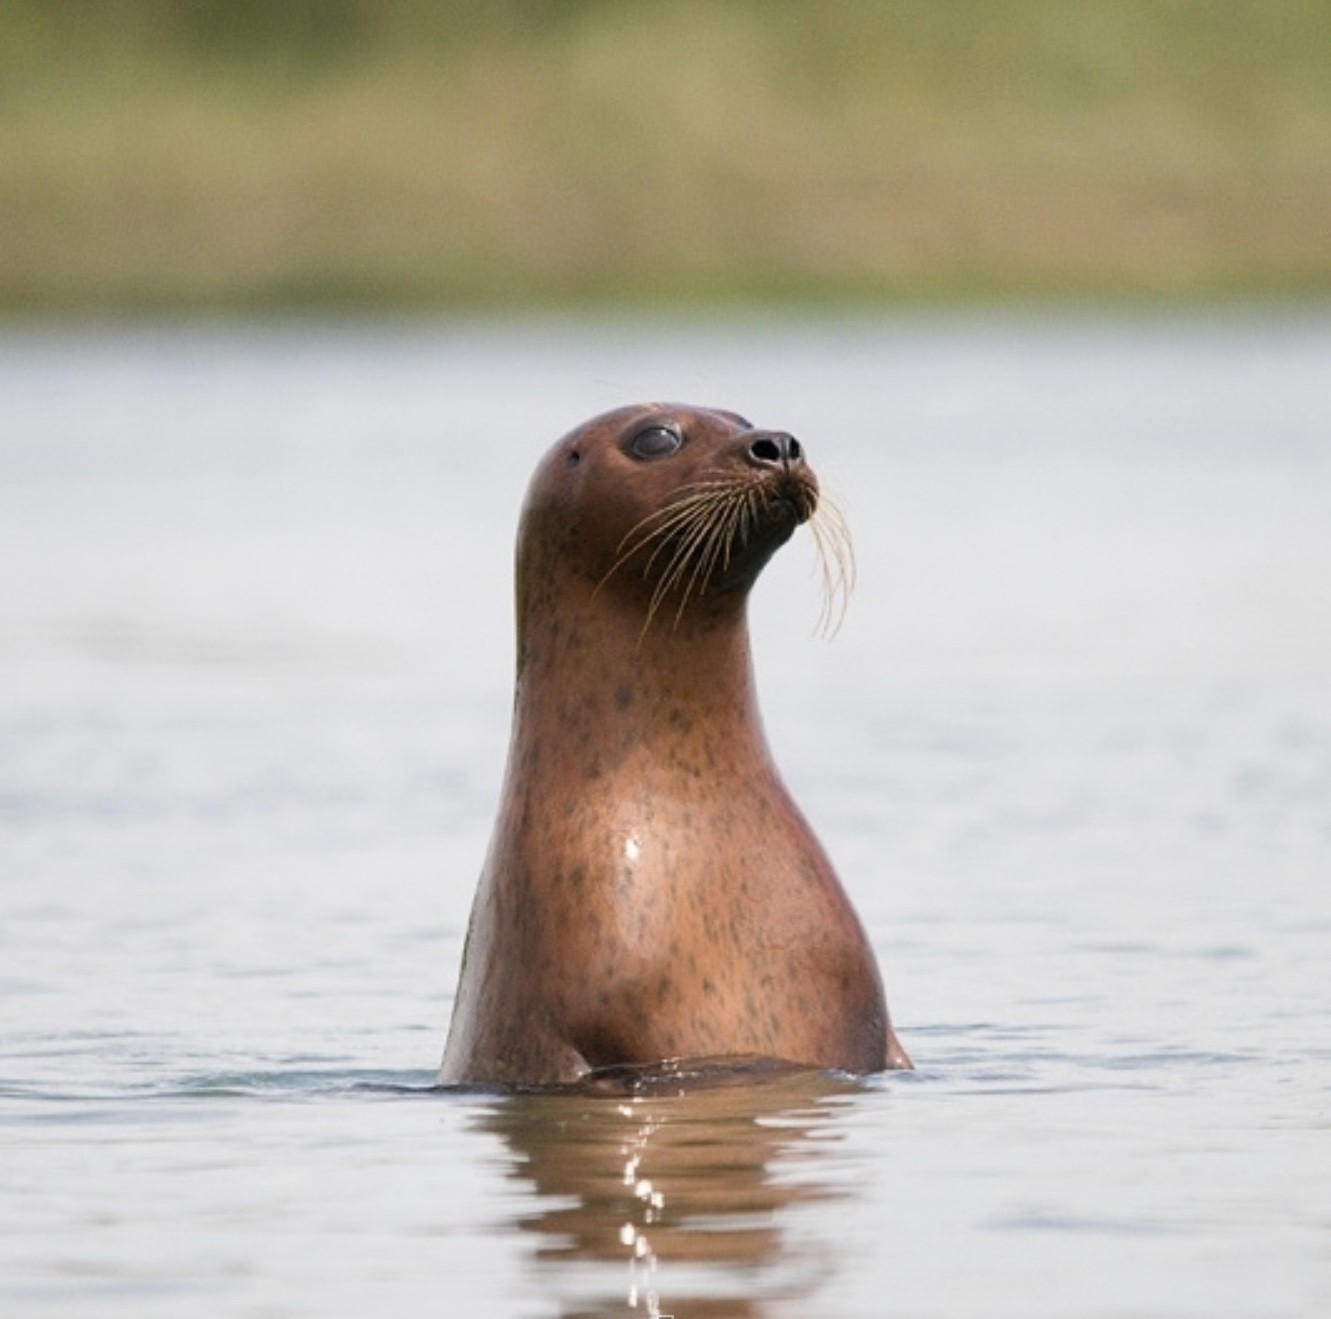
x=776, y=447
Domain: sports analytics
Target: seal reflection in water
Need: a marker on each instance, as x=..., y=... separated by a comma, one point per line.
x=651, y=890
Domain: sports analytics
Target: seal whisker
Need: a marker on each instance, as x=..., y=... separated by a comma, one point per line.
x=717, y=537
x=715, y=548
x=836, y=561
x=695, y=537
x=700, y=514
x=753, y=510
x=679, y=513
x=689, y=494
x=743, y=517
x=682, y=550
x=688, y=566
x=696, y=531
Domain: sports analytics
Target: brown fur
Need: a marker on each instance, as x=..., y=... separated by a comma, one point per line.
x=651, y=890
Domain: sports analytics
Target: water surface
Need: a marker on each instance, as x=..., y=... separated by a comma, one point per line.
x=1071, y=752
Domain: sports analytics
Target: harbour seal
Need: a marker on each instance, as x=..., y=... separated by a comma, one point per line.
x=651, y=890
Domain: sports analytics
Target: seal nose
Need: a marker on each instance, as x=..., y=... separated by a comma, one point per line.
x=775, y=449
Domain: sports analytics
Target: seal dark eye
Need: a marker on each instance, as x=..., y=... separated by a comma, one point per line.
x=655, y=442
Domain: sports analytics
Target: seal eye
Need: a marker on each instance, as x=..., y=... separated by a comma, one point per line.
x=655, y=442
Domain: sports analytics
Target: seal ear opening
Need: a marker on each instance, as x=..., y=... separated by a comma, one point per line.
x=574, y=457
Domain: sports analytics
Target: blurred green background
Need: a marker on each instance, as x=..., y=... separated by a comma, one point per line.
x=246, y=154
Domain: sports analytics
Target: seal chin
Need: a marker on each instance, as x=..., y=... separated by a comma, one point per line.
x=796, y=503
x=790, y=498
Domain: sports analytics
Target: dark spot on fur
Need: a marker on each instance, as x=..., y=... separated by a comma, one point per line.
x=810, y=873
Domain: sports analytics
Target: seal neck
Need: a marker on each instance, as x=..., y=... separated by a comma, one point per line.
x=592, y=679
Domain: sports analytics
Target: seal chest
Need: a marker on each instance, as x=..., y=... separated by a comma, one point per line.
x=651, y=891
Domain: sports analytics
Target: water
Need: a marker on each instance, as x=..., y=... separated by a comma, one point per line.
x=1071, y=751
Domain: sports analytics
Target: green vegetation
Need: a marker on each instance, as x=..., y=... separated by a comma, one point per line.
x=361, y=153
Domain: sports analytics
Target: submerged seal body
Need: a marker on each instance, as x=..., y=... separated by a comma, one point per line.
x=651, y=891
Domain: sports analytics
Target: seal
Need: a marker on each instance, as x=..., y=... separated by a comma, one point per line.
x=651, y=891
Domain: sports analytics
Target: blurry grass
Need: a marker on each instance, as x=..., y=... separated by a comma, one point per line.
x=288, y=153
